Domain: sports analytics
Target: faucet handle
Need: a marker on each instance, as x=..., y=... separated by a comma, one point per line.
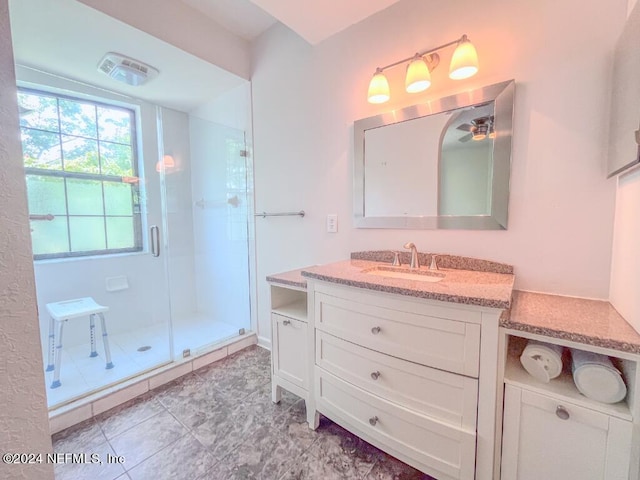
x=396, y=259
x=434, y=263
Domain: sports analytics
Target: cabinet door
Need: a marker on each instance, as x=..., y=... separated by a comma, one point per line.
x=290, y=349
x=545, y=438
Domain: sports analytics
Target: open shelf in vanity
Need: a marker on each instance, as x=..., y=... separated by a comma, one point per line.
x=563, y=386
x=288, y=302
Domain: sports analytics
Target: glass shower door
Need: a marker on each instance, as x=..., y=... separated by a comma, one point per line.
x=208, y=182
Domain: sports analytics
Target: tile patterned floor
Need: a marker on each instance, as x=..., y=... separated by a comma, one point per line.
x=219, y=423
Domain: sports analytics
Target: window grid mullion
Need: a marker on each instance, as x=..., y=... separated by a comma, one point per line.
x=75, y=136
x=104, y=217
x=77, y=175
x=104, y=202
x=66, y=191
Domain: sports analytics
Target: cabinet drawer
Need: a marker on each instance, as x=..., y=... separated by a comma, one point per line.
x=290, y=349
x=545, y=437
x=418, y=337
x=436, y=447
x=443, y=395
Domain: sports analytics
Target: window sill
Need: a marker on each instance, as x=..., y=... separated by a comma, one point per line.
x=108, y=256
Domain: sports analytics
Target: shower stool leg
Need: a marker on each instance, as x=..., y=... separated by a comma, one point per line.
x=92, y=335
x=105, y=340
x=56, y=372
x=52, y=344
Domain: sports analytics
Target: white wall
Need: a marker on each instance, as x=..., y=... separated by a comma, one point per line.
x=561, y=206
x=466, y=179
x=401, y=167
x=23, y=408
x=231, y=109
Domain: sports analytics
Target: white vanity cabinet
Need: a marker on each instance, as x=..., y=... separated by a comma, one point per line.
x=552, y=431
x=289, y=341
x=405, y=374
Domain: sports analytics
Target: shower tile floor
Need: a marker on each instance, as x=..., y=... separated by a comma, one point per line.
x=80, y=374
x=219, y=423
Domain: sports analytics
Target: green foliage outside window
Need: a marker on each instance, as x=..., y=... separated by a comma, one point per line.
x=81, y=170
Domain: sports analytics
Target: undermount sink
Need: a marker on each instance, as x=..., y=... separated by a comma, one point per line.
x=419, y=275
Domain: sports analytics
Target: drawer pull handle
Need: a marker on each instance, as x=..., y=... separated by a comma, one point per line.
x=375, y=375
x=286, y=322
x=373, y=421
x=375, y=330
x=562, y=413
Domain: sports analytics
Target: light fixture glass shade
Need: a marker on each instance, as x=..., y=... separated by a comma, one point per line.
x=418, y=76
x=378, y=89
x=480, y=133
x=167, y=163
x=464, y=63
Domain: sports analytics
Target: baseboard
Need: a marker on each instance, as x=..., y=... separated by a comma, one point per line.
x=264, y=343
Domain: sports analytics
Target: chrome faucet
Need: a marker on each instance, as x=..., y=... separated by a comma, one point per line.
x=415, y=263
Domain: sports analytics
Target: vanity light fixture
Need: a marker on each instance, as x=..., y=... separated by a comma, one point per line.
x=464, y=64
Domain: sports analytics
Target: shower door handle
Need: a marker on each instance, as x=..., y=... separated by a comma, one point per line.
x=155, y=241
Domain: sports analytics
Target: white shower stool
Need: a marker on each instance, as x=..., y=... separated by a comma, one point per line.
x=61, y=312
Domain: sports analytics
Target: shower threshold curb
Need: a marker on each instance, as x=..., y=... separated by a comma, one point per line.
x=96, y=403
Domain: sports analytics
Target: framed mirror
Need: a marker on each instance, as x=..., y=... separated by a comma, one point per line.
x=441, y=164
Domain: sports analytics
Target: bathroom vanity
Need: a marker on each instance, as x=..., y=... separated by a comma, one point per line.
x=424, y=365
x=407, y=364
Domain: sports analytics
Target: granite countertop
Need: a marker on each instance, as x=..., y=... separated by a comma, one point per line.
x=292, y=278
x=591, y=322
x=482, y=288
x=580, y=320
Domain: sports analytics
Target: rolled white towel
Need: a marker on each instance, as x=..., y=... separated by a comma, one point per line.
x=543, y=361
x=596, y=377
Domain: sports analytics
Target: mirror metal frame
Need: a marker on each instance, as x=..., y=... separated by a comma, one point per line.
x=502, y=94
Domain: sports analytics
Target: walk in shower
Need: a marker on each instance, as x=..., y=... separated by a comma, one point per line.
x=140, y=201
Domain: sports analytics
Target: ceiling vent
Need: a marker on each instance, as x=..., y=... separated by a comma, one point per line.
x=126, y=70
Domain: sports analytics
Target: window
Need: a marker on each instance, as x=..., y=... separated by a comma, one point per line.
x=82, y=179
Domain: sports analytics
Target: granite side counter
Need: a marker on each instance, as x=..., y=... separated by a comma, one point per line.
x=590, y=322
x=292, y=278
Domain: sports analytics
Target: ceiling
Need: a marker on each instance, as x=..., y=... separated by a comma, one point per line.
x=313, y=20
x=68, y=38
x=238, y=16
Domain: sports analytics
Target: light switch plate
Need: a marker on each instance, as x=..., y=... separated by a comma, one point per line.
x=332, y=223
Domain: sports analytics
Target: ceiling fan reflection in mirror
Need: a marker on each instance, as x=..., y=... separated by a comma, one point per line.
x=479, y=129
